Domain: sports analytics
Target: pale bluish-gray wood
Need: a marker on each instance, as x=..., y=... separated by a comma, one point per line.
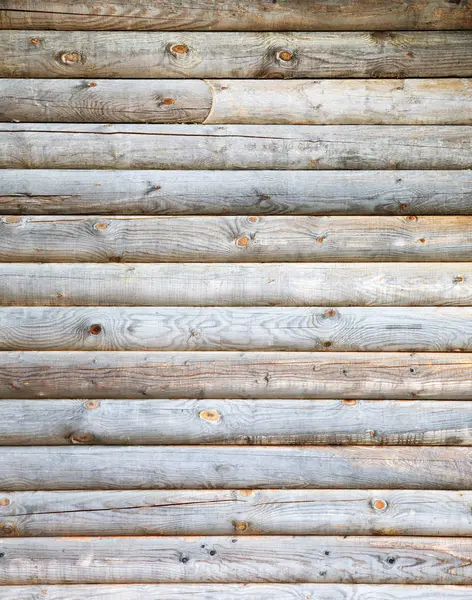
x=236, y=512
x=282, y=559
x=261, y=422
x=234, y=239
x=304, y=147
x=234, y=467
x=38, y=191
x=237, y=591
x=243, y=15
x=244, y=375
x=420, y=329
x=219, y=101
x=276, y=284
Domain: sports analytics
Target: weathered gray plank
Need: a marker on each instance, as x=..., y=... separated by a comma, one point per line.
x=233, y=467
x=269, y=422
x=299, y=375
x=245, y=14
x=282, y=284
x=236, y=512
x=218, y=101
x=234, y=239
x=280, y=559
x=26, y=191
x=415, y=329
x=304, y=147
x=238, y=591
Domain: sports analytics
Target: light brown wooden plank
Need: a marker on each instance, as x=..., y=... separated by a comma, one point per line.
x=298, y=375
x=236, y=513
x=275, y=284
x=303, y=147
x=223, y=101
x=53, y=192
x=235, y=239
x=415, y=329
x=281, y=559
x=241, y=15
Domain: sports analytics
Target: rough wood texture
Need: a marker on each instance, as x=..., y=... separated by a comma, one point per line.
x=300, y=284
x=234, y=239
x=236, y=512
x=308, y=102
x=241, y=591
x=191, y=147
x=228, y=467
x=280, y=559
x=415, y=329
x=299, y=375
x=54, y=192
x=245, y=14
x=241, y=422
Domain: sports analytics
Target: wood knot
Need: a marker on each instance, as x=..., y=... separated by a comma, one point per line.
x=92, y=404
x=4, y=502
x=350, y=402
x=179, y=49
x=71, y=58
x=253, y=219
x=210, y=415
x=92, y=84
x=242, y=241
x=100, y=226
x=285, y=55
x=168, y=101
x=379, y=504
x=330, y=312
x=81, y=438
x=240, y=525
x=35, y=41
x=95, y=329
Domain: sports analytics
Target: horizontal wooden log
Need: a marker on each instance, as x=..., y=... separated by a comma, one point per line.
x=309, y=102
x=235, y=591
x=54, y=192
x=234, y=239
x=240, y=422
x=300, y=15
x=299, y=375
x=414, y=329
x=236, y=512
x=275, y=284
x=304, y=147
x=233, y=467
x=215, y=559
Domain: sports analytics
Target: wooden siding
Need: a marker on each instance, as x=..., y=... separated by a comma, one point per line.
x=236, y=300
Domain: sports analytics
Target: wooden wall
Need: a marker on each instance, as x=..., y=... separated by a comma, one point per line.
x=236, y=300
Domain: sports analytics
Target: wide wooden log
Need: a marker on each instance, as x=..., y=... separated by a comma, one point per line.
x=216, y=101
x=233, y=467
x=237, y=422
x=274, y=284
x=304, y=147
x=236, y=512
x=303, y=15
x=281, y=559
x=234, y=239
x=237, y=591
x=414, y=329
x=63, y=192
x=299, y=375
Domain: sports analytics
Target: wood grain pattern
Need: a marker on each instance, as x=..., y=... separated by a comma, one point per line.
x=274, y=284
x=241, y=591
x=233, y=467
x=223, y=101
x=414, y=329
x=234, y=239
x=243, y=14
x=304, y=147
x=251, y=559
x=63, y=192
x=299, y=375
x=237, y=422
x=236, y=512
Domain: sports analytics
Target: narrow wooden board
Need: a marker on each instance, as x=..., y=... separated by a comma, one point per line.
x=304, y=147
x=281, y=559
x=224, y=101
x=275, y=284
x=237, y=591
x=235, y=239
x=236, y=513
x=241, y=15
x=64, y=192
x=414, y=329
